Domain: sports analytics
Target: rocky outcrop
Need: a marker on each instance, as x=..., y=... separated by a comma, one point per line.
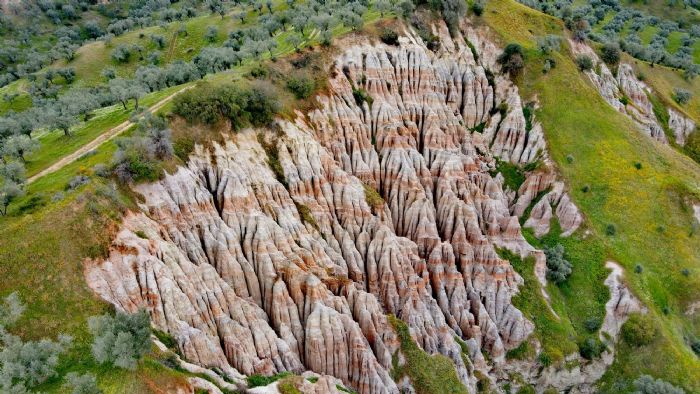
x=578, y=375
x=626, y=93
x=681, y=126
x=639, y=107
x=381, y=202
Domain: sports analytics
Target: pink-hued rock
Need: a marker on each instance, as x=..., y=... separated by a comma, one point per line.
x=625, y=85
x=253, y=275
x=681, y=126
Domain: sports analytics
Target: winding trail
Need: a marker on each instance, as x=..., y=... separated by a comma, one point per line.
x=102, y=138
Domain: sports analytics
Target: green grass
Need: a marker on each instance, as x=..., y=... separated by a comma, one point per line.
x=638, y=202
x=557, y=336
x=19, y=103
x=55, y=145
x=428, y=374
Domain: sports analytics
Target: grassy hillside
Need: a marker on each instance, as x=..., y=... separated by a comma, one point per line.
x=648, y=207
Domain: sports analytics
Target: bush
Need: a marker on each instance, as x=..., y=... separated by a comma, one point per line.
x=512, y=60
x=121, y=54
x=645, y=384
x=591, y=348
x=301, y=86
x=638, y=330
x=361, y=96
x=592, y=324
x=681, y=96
x=477, y=8
x=77, y=181
x=81, y=384
x=207, y=104
x=610, y=53
x=138, y=158
x=549, y=43
x=558, y=269
x=121, y=340
x=610, y=230
x=638, y=269
x=389, y=37
x=584, y=62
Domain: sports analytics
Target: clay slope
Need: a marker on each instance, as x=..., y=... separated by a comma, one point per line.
x=254, y=271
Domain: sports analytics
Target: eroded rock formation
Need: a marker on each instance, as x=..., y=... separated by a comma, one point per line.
x=681, y=126
x=626, y=93
x=382, y=203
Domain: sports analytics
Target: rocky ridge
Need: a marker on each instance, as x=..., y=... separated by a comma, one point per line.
x=378, y=206
x=630, y=96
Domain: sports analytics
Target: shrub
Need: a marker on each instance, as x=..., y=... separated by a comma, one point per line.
x=243, y=107
x=695, y=345
x=610, y=229
x=82, y=384
x=645, y=384
x=301, y=86
x=592, y=324
x=610, y=53
x=584, y=62
x=569, y=159
x=681, y=96
x=138, y=158
x=591, y=348
x=638, y=330
x=121, y=340
x=512, y=60
x=558, y=269
x=685, y=272
x=389, y=37
x=77, y=181
x=549, y=43
x=121, y=54
x=477, y=8
x=638, y=269
x=259, y=71
x=212, y=33
x=361, y=96
x=638, y=165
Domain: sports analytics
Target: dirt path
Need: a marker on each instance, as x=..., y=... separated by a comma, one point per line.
x=104, y=137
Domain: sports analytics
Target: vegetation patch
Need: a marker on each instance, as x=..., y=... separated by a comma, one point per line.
x=513, y=175
x=257, y=380
x=428, y=374
x=372, y=197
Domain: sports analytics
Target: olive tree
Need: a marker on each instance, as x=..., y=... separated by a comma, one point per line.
x=121, y=340
x=18, y=146
x=24, y=365
x=124, y=90
x=558, y=268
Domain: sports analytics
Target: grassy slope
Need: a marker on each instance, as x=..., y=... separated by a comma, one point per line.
x=646, y=206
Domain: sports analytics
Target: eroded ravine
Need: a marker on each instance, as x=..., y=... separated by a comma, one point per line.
x=257, y=272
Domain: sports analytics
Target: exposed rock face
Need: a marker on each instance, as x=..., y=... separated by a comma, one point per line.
x=625, y=86
x=554, y=201
x=680, y=125
x=582, y=376
x=640, y=108
x=260, y=272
